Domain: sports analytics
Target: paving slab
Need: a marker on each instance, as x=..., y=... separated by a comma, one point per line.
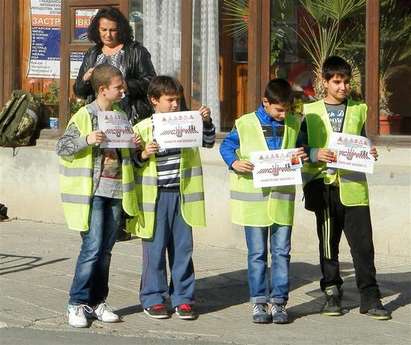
x=37, y=263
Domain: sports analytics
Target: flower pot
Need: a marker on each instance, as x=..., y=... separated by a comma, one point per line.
x=390, y=124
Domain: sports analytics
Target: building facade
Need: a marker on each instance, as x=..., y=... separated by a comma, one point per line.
x=223, y=51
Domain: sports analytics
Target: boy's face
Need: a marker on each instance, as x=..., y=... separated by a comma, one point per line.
x=114, y=91
x=166, y=103
x=337, y=88
x=276, y=111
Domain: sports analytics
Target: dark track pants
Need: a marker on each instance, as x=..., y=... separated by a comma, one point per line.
x=356, y=223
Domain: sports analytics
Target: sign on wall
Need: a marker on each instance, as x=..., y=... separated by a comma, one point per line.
x=46, y=35
x=45, y=39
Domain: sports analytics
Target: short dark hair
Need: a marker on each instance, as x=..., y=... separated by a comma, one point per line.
x=335, y=65
x=125, y=33
x=279, y=91
x=102, y=75
x=164, y=85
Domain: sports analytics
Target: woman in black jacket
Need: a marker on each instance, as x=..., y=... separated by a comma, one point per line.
x=114, y=44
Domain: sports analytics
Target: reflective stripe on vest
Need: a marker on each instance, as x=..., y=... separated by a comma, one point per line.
x=252, y=206
x=191, y=188
x=353, y=185
x=76, y=179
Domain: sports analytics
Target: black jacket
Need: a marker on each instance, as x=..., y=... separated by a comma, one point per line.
x=138, y=72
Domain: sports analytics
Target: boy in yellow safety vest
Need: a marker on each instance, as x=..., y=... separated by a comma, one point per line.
x=96, y=183
x=265, y=213
x=339, y=197
x=171, y=200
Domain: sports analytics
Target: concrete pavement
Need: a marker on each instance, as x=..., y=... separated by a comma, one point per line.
x=36, y=267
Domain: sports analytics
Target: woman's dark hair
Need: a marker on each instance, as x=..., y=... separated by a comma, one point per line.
x=125, y=33
x=335, y=65
x=279, y=91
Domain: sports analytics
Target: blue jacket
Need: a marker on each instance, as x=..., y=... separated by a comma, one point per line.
x=232, y=142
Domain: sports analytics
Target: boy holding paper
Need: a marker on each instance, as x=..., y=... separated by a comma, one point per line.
x=339, y=197
x=264, y=212
x=171, y=197
x=96, y=184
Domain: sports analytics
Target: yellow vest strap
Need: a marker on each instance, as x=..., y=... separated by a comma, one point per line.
x=146, y=180
x=244, y=196
x=197, y=171
x=128, y=187
x=290, y=196
x=75, y=172
x=193, y=197
x=353, y=176
x=75, y=199
x=147, y=206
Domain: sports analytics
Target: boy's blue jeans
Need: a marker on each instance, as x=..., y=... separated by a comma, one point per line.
x=261, y=291
x=90, y=282
x=174, y=235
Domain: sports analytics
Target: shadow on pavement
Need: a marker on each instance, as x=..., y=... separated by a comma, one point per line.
x=231, y=288
x=16, y=263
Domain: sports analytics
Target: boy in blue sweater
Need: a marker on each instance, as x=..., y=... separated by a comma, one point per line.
x=271, y=127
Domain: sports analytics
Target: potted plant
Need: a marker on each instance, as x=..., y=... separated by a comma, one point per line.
x=49, y=103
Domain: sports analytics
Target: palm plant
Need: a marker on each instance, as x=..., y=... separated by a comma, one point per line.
x=236, y=14
x=395, y=45
x=323, y=34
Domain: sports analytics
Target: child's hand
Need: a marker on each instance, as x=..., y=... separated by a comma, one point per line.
x=373, y=152
x=136, y=139
x=243, y=166
x=95, y=138
x=301, y=154
x=88, y=74
x=205, y=113
x=150, y=149
x=326, y=156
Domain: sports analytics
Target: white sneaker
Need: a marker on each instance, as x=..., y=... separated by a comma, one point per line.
x=105, y=314
x=76, y=315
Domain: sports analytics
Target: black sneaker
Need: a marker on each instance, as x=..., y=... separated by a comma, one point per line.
x=157, y=311
x=332, y=305
x=261, y=314
x=123, y=235
x=186, y=312
x=378, y=312
x=279, y=314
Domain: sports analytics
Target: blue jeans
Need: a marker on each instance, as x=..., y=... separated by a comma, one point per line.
x=174, y=236
x=280, y=244
x=90, y=282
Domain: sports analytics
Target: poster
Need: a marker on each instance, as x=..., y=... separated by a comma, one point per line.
x=76, y=59
x=45, y=39
x=276, y=168
x=83, y=19
x=117, y=129
x=178, y=129
x=352, y=153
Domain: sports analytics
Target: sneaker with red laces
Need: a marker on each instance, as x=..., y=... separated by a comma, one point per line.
x=186, y=312
x=157, y=311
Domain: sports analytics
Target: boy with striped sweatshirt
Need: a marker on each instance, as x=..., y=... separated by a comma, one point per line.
x=171, y=200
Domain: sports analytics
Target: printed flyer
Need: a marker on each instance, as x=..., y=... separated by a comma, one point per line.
x=276, y=168
x=117, y=129
x=178, y=129
x=352, y=153
x=45, y=39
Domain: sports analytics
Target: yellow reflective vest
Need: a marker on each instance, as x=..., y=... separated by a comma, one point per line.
x=252, y=206
x=76, y=179
x=353, y=185
x=191, y=188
